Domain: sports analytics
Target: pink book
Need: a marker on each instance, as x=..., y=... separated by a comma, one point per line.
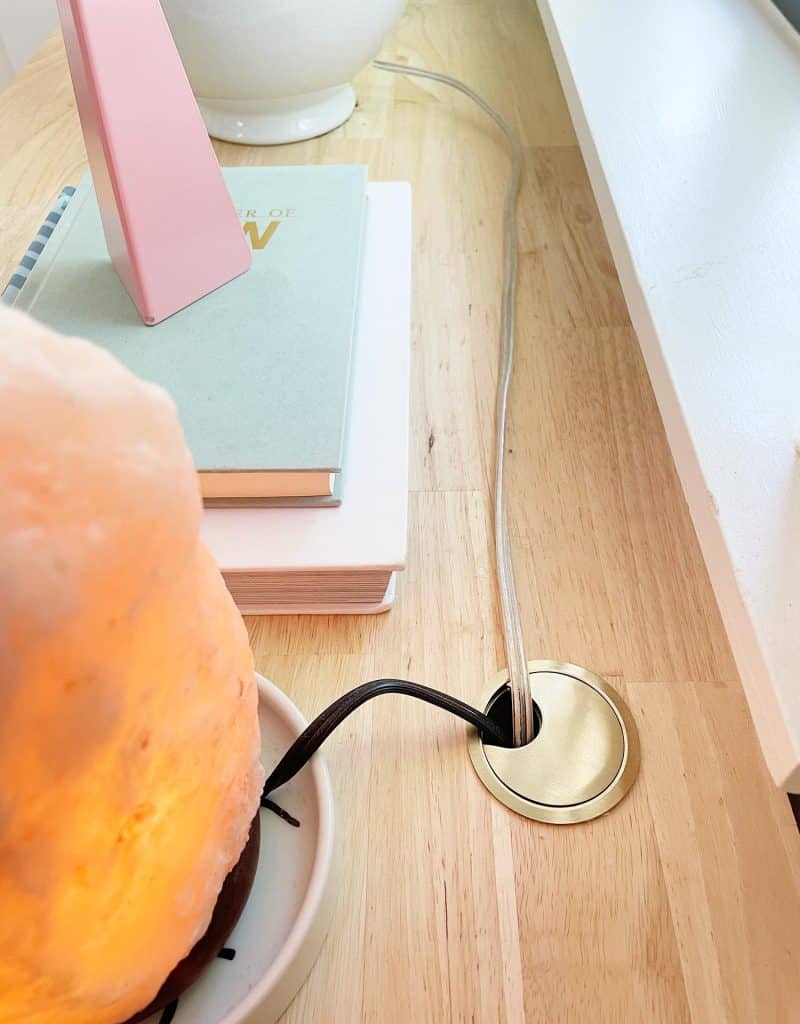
x=171, y=228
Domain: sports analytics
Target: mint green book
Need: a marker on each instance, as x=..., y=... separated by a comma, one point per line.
x=260, y=369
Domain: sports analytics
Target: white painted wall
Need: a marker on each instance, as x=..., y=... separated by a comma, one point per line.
x=24, y=26
x=687, y=114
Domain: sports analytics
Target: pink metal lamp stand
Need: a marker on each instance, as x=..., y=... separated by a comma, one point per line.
x=171, y=228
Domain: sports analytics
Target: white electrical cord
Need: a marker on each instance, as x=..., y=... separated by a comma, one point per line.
x=519, y=680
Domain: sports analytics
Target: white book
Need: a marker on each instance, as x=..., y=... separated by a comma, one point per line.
x=289, y=561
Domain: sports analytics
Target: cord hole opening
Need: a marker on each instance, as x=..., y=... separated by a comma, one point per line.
x=499, y=710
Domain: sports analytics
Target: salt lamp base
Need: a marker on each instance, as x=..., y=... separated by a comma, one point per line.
x=280, y=933
x=231, y=903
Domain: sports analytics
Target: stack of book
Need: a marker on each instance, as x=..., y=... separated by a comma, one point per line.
x=292, y=381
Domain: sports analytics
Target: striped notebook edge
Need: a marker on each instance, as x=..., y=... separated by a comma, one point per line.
x=36, y=248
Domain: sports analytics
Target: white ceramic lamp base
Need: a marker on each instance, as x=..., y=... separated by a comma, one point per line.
x=265, y=122
x=284, y=924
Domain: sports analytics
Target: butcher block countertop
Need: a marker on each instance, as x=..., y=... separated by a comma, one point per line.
x=681, y=904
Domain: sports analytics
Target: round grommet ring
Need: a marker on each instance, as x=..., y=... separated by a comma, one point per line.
x=584, y=759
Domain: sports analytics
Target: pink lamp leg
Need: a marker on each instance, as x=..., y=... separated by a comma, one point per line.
x=171, y=228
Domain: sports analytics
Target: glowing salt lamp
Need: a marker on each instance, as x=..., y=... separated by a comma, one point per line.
x=129, y=743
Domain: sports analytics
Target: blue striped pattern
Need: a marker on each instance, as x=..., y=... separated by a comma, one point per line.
x=36, y=248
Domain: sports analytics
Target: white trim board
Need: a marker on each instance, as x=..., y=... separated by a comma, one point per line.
x=688, y=116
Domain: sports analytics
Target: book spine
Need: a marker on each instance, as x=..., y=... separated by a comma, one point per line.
x=36, y=248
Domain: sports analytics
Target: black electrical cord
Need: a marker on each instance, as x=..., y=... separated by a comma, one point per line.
x=523, y=724
x=315, y=734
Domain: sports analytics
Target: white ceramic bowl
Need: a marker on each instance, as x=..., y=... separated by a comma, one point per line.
x=286, y=918
x=269, y=71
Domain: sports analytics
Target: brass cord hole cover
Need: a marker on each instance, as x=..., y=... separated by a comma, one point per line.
x=584, y=759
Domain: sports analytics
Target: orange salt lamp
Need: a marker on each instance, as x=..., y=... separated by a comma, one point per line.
x=129, y=742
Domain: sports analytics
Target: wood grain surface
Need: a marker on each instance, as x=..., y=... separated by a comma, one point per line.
x=684, y=902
